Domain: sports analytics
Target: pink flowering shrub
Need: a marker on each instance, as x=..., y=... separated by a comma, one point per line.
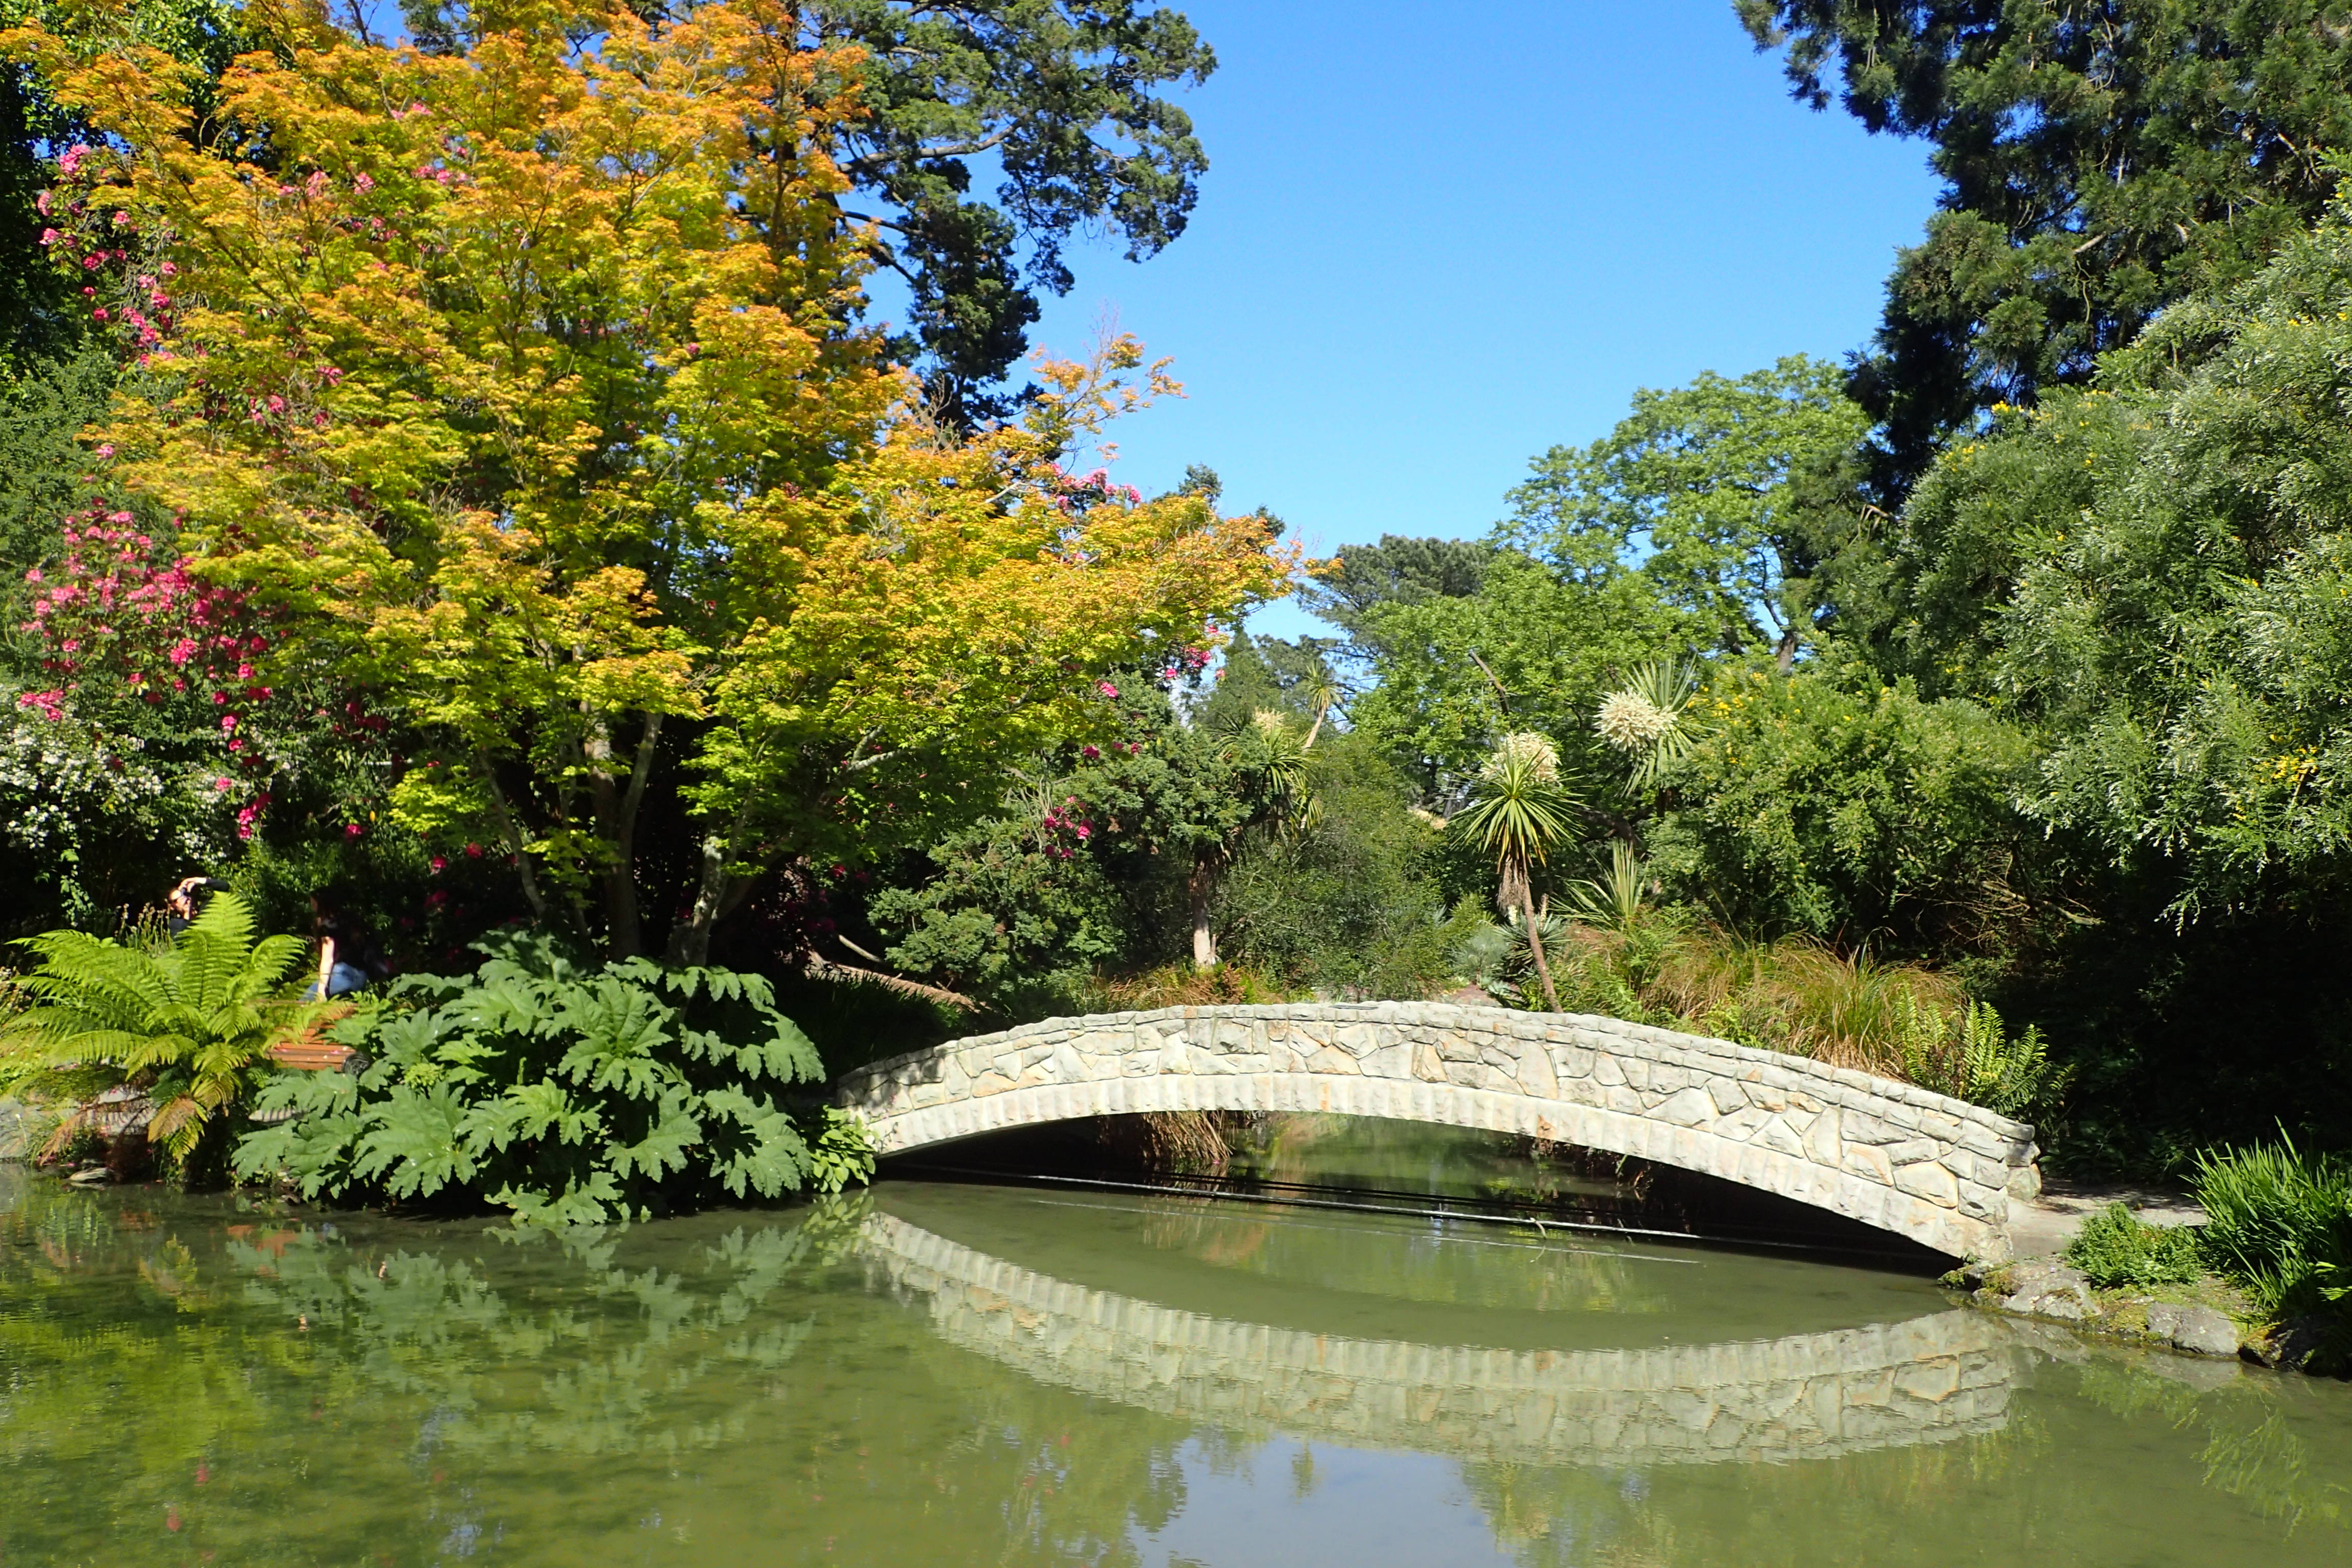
x=126, y=280
x=145, y=732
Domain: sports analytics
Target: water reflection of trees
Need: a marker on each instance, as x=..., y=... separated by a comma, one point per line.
x=322, y=1391
x=180, y=1378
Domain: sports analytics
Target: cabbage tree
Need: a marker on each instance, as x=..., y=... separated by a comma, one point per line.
x=1519, y=812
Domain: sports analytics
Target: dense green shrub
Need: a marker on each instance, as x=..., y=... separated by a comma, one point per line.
x=2113, y=1249
x=1350, y=899
x=567, y=1093
x=1828, y=803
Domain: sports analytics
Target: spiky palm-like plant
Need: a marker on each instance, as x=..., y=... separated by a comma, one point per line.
x=186, y=1019
x=1648, y=719
x=1617, y=900
x=1519, y=812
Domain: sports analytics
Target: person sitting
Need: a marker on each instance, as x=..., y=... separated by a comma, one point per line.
x=349, y=959
x=186, y=901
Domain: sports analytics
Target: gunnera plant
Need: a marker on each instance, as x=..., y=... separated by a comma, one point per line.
x=568, y=1093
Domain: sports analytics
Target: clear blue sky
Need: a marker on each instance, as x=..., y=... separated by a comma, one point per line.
x=1435, y=239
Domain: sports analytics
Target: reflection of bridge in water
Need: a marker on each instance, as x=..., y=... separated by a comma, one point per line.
x=1928, y=1380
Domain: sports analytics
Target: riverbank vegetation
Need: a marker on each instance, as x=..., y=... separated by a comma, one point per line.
x=1974, y=712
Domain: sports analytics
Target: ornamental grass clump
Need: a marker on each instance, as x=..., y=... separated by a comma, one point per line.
x=2279, y=1222
x=567, y=1093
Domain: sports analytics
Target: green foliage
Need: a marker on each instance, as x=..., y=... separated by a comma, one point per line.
x=39, y=316
x=1008, y=911
x=2279, y=1222
x=1520, y=810
x=1648, y=719
x=1971, y=1055
x=186, y=1020
x=2101, y=164
x=1726, y=492
x=1360, y=578
x=569, y=1094
x=1352, y=903
x=1617, y=900
x=1827, y=803
x=42, y=465
x=2115, y=1250
x=1533, y=648
x=2154, y=576
x=1270, y=675
x=1063, y=104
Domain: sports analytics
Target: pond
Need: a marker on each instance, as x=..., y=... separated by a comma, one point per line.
x=977, y=1372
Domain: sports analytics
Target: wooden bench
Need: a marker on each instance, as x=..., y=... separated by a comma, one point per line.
x=311, y=1051
x=310, y=1054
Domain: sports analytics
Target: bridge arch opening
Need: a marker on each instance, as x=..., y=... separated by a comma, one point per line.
x=1429, y=1172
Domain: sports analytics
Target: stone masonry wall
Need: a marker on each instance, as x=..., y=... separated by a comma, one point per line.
x=1935, y=1170
x=1806, y=1396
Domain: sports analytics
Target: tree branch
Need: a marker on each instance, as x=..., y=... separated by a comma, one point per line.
x=819, y=968
x=1501, y=695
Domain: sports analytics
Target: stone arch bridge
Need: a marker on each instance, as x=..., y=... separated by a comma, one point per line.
x=1934, y=1170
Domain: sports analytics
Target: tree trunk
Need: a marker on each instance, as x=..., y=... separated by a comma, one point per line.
x=1513, y=891
x=512, y=839
x=615, y=824
x=1202, y=885
x=690, y=942
x=1535, y=941
x=1786, y=655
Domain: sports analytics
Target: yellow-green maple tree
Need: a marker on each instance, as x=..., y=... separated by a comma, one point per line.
x=530, y=382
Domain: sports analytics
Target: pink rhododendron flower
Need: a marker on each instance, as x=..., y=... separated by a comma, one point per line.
x=1105, y=688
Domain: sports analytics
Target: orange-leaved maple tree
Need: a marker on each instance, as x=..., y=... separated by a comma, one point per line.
x=531, y=384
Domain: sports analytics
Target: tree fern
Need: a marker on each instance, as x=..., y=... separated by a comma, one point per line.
x=187, y=1019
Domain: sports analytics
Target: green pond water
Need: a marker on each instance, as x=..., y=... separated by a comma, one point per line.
x=939, y=1373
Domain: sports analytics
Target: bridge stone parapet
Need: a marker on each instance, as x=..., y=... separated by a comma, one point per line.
x=1929, y=1380
x=1918, y=1165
